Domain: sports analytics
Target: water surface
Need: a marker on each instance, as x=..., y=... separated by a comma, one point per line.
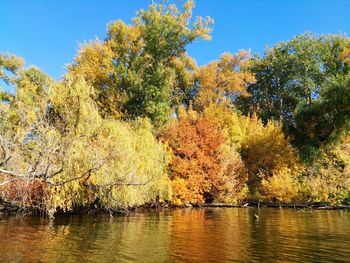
x=183, y=235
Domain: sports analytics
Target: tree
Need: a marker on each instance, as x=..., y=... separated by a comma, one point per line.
x=58, y=152
x=328, y=178
x=265, y=152
x=201, y=165
x=145, y=69
x=222, y=81
x=272, y=165
x=294, y=83
x=282, y=187
x=9, y=64
x=29, y=147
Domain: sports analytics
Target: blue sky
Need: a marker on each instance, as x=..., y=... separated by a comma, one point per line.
x=47, y=33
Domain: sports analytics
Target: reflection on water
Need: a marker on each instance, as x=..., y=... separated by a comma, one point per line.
x=183, y=235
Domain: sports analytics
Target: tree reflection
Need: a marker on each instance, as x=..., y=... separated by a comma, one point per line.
x=181, y=235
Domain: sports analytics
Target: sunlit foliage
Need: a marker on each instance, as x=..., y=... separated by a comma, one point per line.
x=222, y=81
x=267, y=155
x=58, y=152
x=329, y=177
x=138, y=68
x=135, y=121
x=303, y=83
x=202, y=165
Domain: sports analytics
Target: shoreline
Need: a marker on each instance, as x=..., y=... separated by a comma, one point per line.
x=9, y=209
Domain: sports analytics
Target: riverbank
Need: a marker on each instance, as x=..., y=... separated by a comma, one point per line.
x=262, y=205
x=8, y=208
x=11, y=209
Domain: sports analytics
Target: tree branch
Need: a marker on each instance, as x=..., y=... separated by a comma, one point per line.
x=5, y=150
x=55, y=173
x=125, y=184
x=3, y=171
x=86, y=174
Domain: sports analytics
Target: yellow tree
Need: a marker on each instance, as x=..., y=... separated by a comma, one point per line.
x=273, y=165
x=220, y=82
x=328, y=178
x=267, y=155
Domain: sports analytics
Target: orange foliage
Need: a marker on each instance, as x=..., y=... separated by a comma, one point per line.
x=271, y=162
x=203, y=166
x=26, y=194
x=345, y=54
x=195, y=143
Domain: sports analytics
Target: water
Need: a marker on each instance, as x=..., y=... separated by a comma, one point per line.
x=183, y=235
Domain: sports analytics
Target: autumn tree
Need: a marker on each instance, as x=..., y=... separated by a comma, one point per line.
x=113, y=163
x=26, y=142
x=222, y=81
x=142, y=70
x=328, y=180
x=58, y=152
x=267, y=155
x=200, y=166
x=136, y=121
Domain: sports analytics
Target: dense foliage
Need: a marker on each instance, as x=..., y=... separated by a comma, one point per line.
x=303, y=83
x=135, y=121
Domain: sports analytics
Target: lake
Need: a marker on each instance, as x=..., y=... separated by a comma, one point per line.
x=181, y=235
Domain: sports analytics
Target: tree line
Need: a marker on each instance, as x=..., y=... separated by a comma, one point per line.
x=135, y=120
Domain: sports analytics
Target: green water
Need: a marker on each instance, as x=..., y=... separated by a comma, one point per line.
x=187, y=235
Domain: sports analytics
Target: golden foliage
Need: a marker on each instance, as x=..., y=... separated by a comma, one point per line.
x=94, y=63
x=282, y=187
x=91, y=138
x=223, y=80
x=328, y=179
x=345, y=54
x=267, y=155
x=125, y=162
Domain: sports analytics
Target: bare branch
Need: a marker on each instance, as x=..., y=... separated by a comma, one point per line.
x=5, y=161
x=47, y=167
x=54, y=173
x=124, y=184
x=131, y=184
x=86, y=174
x=3, y=171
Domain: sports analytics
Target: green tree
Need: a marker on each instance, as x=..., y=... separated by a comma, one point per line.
x=297, y=83
x=147, y=70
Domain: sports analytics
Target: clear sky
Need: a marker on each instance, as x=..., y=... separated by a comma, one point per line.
x=47, y=33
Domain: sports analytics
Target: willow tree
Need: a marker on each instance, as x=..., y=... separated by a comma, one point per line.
x=56, y=151
x=28, y=145
x=141, y=70
x=107, y=162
